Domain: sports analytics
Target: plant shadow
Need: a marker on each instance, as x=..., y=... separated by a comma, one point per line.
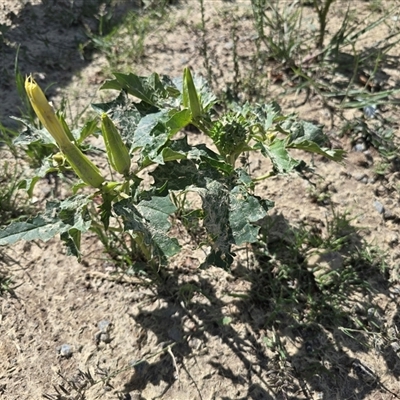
x=291, y=324
x=51, y=39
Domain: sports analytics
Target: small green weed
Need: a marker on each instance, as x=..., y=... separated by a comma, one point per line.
x=379, y=134
x=322, y=9
x=6, y=281
x=279, y=30
x=123, y=45
x=7, y=137
x=13, y=203
x=315, y=264
x=319, y=193
x=189, y=217
x=317, y=281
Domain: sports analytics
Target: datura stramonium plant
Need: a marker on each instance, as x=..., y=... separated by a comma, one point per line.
x=82, y=166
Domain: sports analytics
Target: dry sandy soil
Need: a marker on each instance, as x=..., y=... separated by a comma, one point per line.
x=200, y=333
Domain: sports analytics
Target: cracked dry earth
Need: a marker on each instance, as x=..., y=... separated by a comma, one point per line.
x=198, y=333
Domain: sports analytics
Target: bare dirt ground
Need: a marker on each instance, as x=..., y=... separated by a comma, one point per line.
x=200, y=333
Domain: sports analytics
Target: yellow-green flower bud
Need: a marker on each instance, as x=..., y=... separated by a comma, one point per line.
x=59, y=158
x=117, y=152
x=82, y=166
x=45, y=112
x=190, y=97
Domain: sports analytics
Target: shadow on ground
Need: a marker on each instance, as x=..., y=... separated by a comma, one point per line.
x=311, y=305
x=51, y=41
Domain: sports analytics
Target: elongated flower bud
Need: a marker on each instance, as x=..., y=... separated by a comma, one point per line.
x=82, y=166
x=117, y=152
x=190, y=96
x=45, y=112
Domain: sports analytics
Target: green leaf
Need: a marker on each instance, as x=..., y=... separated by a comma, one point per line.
x=299, y=131
x=40, y=227
x=244, y=178
x=312, y=147
x=202, y=153
x=169, y=154
x=152, y=90
x=150, y=136
x=31, y=135
x=156, y=211
x=177, y=121
x=190, y=97
x=176, y=150
x=106, y=207
x=153, y=135
x=88, y=129
x=309, y=137
x=215, y=197
x=64, y=217
x=366, y=99
x=206, y=96
x=72, y=239
x=28, y=184
x=119, y=103
x=150, y=218
x=279, y=156
x=177, y=175
x=245, y=209
x=264, y=114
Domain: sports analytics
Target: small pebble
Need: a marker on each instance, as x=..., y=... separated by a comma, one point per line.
x=379, y=207
x=229, y=46
x=361, y=177
x=370, y=111
x=65, y=350
x=195, y=343
x=389, y=215
x=104, y=326
x=360, y=147
x=104, y=337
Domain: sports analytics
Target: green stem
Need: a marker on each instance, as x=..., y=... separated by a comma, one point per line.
x=265, y=176
x=144, y=248
x=322, y=14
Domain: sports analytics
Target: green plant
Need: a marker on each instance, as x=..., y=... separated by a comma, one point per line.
x=331, y=69
x=204, y=43
x=7, y=137
x=322, y=9
x=115, y=46
x=149, y=127
x=13, y=203
x=124, y=44
x=319, y=193
x=189, y=216
x=5, y=283
x=282, y=40
x=341, y=61
x=378, y=134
